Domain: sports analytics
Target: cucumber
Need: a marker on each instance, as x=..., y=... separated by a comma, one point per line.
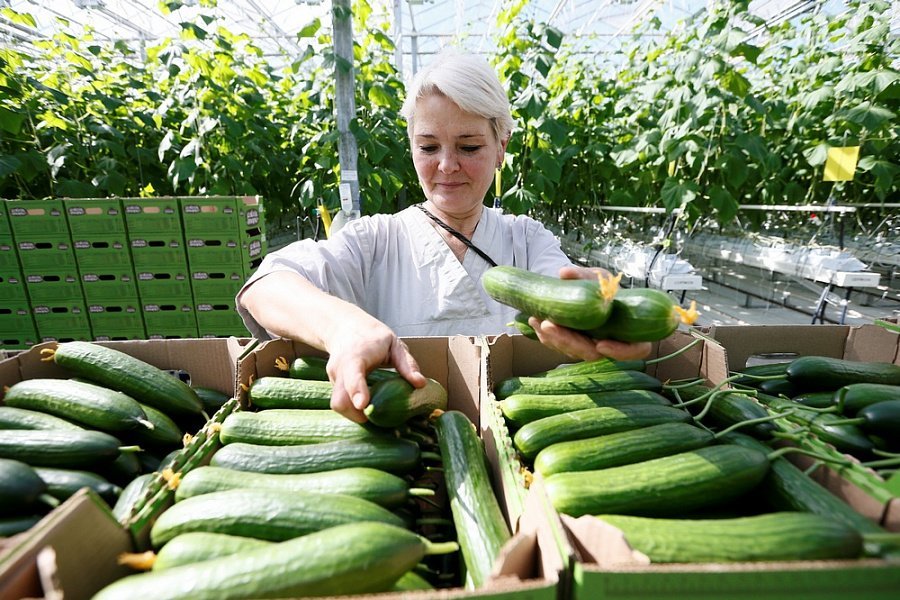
x=348, y=559
x=199, y=546
x=729, y=408
x=64, y=449
x=520, y=409
x=291, y=426
x=313, y=368
x=520, y=322
x=481, y=529
x=639, y=315
x=166, y=434
x=533, y=437
x=391, y=454
x=93, y=406
x=613, y=381
x=823, y=373
x=23, y=418
x=120, y=371
x=20, y=487
x=265, y=514
x=285, y=392
x=394, y=401
x=63, y=483
x=749, y=376
x=131, y=495
x=846, y=437
x=702, y=478
x=779, y=387
x=588, y=367
x=780, y=536
x=211, y=400
x=10, y=526
x=816, y=399
x=373, y=485
x=786, y=487
x=574, y=303
x=411, y=581
x=860, y=395
x=882, y=419
x=623, y=448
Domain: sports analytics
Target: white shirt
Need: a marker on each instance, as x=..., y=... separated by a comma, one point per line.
x=399, y=269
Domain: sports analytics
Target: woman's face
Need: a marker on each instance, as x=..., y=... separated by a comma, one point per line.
x=455, y=154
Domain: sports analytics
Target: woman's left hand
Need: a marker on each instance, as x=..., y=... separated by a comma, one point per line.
x=576, y=344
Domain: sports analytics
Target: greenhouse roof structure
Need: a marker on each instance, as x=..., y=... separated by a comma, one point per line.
x=422, y=26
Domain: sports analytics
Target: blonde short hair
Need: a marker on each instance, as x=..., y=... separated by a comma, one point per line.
x=470, y=82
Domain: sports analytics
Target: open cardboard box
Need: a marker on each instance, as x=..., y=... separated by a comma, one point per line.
x=208, y=362
x=602, y=565
x=865, y=343
x=530, y=566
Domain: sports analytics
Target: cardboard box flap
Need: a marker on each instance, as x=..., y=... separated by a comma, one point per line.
x=600, y=543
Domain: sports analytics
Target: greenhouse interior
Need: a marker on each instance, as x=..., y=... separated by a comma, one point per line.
x=401, y=299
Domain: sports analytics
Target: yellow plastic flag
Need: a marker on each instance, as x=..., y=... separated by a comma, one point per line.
x=326, y=220
x=671, y=168
x=841, y=163
x=497, y=187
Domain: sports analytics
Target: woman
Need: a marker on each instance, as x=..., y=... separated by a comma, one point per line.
x=418, y=272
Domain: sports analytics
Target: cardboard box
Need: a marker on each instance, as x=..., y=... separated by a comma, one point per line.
x=602, y=566
x=200, y=362
x=70, y=553
x=530, y=566
x=751, y=344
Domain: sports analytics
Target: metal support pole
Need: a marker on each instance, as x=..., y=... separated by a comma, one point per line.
x=345, y=106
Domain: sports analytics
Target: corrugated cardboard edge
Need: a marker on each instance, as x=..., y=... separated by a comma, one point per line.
x=84, y=535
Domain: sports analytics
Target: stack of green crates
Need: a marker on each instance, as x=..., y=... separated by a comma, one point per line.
x=100, y=242
x=47, y=259
x=225, y=243
x=156, y=239
x=125, y=268
x=16, y=323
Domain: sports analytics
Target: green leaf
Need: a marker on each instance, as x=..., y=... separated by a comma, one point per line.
x=557, y=132
x=723, y=203
x=676, y=193
x=9, y=165
x=754, y=146
x=816, y=155
x=735, y=83
x=547, y=165
x=10, y=121
x=817, y=96
x=310, y=29
x=868, y=115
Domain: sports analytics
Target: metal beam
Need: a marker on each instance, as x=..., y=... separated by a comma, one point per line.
x=342, y=23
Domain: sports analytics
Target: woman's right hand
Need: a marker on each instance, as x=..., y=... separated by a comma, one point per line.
x=353, y=352
x=289, y=306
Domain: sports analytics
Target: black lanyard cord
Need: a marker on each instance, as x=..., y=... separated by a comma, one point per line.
x=458, y=236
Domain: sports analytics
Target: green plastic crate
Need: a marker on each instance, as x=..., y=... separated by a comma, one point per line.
x=122, y=335
x=163, y=284
x=9, y=257
x=45, y=253
x=5, y=229
x=152, y=215
x=216, y=283
x=101, y=216
x=218, y=215
x=100, y=285
x=60, y=336
x=30, y=218
x=109, y=318
x=102, y=251
x=17, y=328
x=221, y=252
x=54, y=287
x=151, y=251
x=218, y=317
x=50, y=319
x=163, y=315
x=12, y=288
